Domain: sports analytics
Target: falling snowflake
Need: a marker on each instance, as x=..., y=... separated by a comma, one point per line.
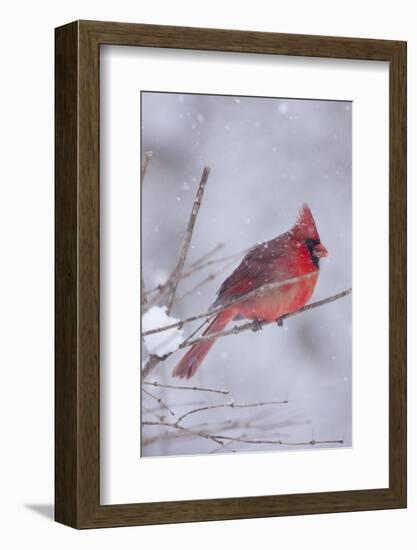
x=283, y=108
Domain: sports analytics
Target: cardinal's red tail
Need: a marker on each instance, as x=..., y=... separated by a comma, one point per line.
x=189, y=364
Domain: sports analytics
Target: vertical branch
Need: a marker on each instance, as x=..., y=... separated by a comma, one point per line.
x=142, y=285
x=148, y=156
x=150, y=364
x=173, y=280
x=176, y=274
x=146, y=161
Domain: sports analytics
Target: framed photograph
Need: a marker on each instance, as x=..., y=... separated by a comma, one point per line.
x=230, y=274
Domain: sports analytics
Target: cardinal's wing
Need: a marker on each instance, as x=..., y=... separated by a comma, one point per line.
x=260, y=266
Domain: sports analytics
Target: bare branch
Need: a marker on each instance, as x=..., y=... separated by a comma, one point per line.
x=226, y=448
x=219, y=438
x=160, y=417
x=176, y=274
x=159, y=401
x=192, y=388
x=142, y=290
x=312, y=442
x=206, y=280
x=231, y=406
x=254, y=326
x=224, y=426
x=152, y=361
x=192, y=334
x=258, y=325
x=148, y=156
x=178, y=427
x=178, y=405
x=161, y=289
x=144, y=300
x=169, y=434
x=229, y=259
x=253, y=293
x=207, y=255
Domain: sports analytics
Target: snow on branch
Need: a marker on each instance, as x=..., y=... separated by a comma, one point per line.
x=161, y=342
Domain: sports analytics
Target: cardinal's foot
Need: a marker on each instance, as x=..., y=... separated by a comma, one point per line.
x=280, y=322
x=256, y=325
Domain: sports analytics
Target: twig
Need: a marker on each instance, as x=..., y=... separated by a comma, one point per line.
x=218, y=438
x=196, y=287
x=227, y=425
x=198, y=265
x=224, y=426
x=204, y=281
x=178, y=405
x=205, y=322
x=175, y=434
x=152, y=361
x=231, y=406
x=192, y=388
x=148, y=156
x=176, y=274
x=312, y=442
x=144, y=300
x=152, y=413
x=178, y=427
x=158, y=400
x=194, y=268
x=257, y=325
x=142, y=291
x=229, y=259
x=207, y=255
x=226, y=448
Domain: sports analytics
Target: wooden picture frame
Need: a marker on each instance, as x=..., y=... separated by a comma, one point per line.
x=77, y=372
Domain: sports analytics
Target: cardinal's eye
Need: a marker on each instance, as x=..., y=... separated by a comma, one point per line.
x=311, y=243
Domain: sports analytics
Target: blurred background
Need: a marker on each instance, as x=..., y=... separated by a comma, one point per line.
x=267, y=156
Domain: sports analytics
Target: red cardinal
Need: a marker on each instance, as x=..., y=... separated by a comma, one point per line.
x=293, y=254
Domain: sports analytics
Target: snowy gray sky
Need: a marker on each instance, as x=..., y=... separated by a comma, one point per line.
x=267, y=156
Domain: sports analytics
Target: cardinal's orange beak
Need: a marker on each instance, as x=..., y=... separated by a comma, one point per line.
x=320, y=251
